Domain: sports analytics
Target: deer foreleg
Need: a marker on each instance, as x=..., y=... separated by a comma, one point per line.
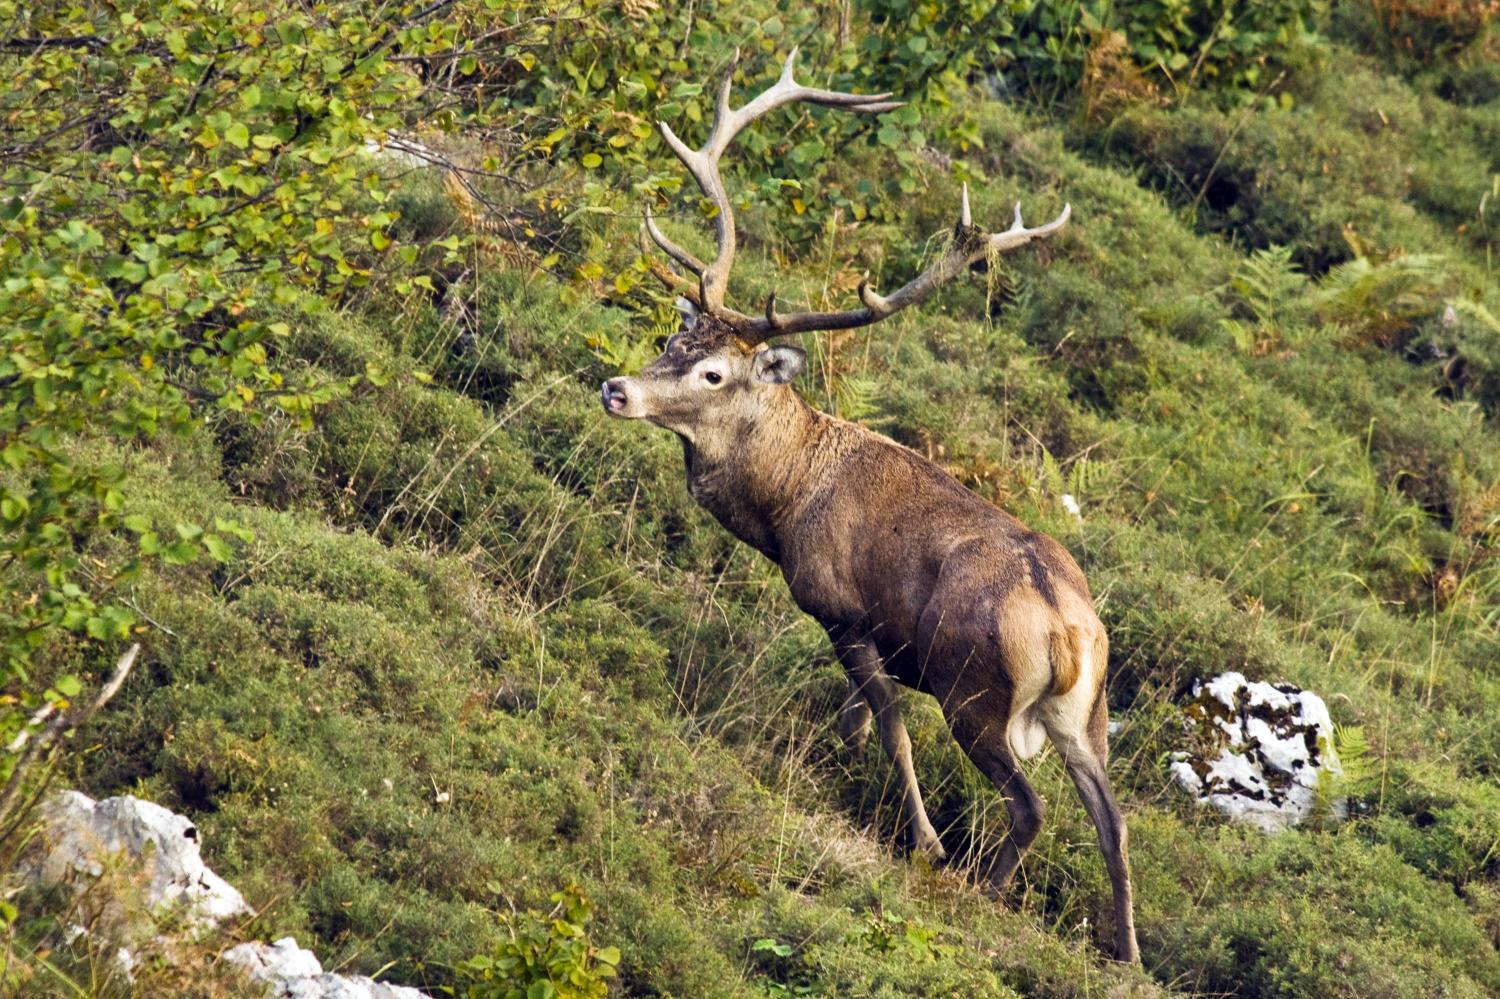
x=868, y=681
x=854, y=718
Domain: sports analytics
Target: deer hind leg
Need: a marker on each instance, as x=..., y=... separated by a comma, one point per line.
x=854, y=718
x=1085, y=755
x=869, y=683
x=979, y=722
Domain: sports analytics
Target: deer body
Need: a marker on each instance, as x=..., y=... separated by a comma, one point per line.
x=916, y=579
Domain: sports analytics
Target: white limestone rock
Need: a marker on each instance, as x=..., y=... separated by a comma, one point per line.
x=289, y=972
x=1256, y=750
x=166, y=892
x=81, y=838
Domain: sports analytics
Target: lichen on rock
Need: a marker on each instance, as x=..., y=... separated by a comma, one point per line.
x=1256, y=751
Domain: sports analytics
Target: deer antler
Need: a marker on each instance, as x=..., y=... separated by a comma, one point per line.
x=703, y=164
x=968, y=245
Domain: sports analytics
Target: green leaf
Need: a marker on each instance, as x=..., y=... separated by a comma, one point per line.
x=237, y=135
x=234, y=528
x=218, y=547
x=180, y=553
x=79, y=236
x=591, y=161
x=808, y=152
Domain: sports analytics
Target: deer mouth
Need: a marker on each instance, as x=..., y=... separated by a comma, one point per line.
x=613, y=398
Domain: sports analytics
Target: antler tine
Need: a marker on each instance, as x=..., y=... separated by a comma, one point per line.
x=674, y=251
x=969, y=245
x=703, y=164
x=785, y=91
x=1019, y=235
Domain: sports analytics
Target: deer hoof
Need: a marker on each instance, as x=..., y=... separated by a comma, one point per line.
x=930, y=847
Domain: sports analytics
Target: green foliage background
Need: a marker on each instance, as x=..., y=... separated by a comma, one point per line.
x=427, y=639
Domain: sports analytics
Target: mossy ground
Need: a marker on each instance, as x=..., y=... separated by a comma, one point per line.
x=483, y=644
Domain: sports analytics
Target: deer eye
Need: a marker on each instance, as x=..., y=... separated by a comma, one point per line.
x=712, y=377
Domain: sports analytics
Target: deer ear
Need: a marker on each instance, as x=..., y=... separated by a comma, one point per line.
x=779, y=365
x=687, y=311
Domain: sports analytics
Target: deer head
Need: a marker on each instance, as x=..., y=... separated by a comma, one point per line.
x=720, y=371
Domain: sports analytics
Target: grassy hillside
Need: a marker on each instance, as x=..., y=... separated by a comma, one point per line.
x=483, y=645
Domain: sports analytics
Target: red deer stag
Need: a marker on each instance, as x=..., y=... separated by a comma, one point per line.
x=915, y=578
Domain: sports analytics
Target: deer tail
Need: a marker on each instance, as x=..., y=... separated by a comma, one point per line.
x=1067, y=659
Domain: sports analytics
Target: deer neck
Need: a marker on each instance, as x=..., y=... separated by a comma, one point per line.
x=753, y=479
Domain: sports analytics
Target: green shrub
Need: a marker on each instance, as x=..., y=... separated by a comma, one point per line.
x=545, y=956
x=1417, y=34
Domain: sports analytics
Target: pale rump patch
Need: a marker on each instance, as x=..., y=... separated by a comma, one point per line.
x=1055, y=668
x=1026, y=626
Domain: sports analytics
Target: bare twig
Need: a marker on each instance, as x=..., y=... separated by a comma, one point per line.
x=1234, y=133
x=61, y=728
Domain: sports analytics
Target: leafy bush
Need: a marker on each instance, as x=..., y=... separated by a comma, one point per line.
x=180, y=182
x=1223, y=46
x=546, y=956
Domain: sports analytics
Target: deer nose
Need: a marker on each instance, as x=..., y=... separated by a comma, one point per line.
x=612, y=395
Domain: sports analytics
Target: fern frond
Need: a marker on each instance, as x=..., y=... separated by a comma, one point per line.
x=1377, y=300
x=855, y=396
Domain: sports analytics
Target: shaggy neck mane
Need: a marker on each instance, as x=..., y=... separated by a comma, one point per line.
x=752, y=478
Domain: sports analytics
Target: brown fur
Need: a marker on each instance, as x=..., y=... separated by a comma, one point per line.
x=914, y=577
